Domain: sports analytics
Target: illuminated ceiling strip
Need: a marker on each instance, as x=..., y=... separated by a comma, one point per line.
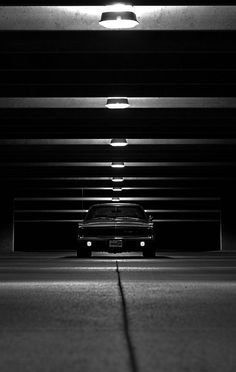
x=170, y=188
x=68, y=179
x=109, y=198
x=154, y=220
x=92, y=141
x=135, y=102
x=147, y=211
x=182, y=211
x=50, y=210
x=88, y=17
x=127, y=164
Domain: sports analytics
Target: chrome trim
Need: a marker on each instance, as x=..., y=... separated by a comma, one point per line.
x=85, y=238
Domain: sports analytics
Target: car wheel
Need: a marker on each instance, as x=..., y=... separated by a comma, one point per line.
x=83, y=253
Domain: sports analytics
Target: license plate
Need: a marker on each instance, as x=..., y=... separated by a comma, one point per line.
x=115, y=243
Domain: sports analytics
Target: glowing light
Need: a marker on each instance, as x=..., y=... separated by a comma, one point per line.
x=118, y=7
x=142, y=244
x=117, y=179
x=117, y=189
x=117, y=103
x=118, y=142
x=118, y=16
x=89, y=244
x=117, y=164
x=115, y=199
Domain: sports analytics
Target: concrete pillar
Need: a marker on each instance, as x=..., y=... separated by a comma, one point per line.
x=229, y=222
x=6, y=224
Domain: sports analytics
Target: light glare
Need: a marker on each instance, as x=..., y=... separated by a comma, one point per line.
x=119, y=23
x=118, y=16
x=118, y=7
x=117, y=179
x=118, y=142
x=115, y=199
x=117, y=189
x=117, y=165
x=117, y=103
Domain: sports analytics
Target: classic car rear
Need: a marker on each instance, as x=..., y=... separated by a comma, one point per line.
x=116, y=227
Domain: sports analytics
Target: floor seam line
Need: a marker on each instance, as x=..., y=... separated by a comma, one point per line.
x=133, y=361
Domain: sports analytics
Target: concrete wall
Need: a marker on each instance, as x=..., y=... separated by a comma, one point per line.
x=229, y=221
x=6, y=224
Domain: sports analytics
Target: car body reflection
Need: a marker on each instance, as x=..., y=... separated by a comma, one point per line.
x=116, y=227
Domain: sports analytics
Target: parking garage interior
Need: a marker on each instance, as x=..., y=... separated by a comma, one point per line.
x=175, y=71
x=59, y=65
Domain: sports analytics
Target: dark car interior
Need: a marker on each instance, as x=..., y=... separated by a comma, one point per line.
x=115, y=212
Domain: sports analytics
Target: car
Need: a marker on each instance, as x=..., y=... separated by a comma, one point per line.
x=116, y=227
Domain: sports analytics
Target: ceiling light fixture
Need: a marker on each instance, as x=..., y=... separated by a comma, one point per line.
x=118, y=16
x=115, y=199
x=117, y=103
x=117, y=189
x=117, y=179
x=119, y=142
x=118, y=164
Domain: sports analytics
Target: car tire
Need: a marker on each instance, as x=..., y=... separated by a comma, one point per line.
x=84, y=253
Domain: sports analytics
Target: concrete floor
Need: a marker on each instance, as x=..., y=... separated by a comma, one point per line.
x=118, y=312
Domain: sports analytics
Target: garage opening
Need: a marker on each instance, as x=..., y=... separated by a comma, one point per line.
x=190, y=224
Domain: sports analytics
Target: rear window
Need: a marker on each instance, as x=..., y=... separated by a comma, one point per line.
x=114, y=212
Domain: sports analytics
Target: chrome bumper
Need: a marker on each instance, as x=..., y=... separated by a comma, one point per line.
x=106, y=238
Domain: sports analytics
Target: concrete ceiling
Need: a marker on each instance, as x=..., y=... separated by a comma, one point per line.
x=177, y=68
x=135, y=102
x=87, y=18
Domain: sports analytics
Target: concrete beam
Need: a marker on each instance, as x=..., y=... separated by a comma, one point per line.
x=131, y=141
x=87, y=18
x=135, y=102
x=127, y=164
x=147, y=211
x=154, y=220
x=198, y=198
x=168, y=178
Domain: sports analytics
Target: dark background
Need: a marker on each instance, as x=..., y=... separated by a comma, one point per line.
x=123, y=63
